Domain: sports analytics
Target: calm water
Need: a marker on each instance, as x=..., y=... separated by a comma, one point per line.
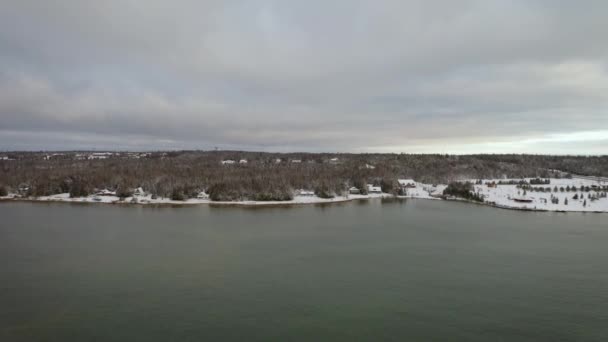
x=415, y=270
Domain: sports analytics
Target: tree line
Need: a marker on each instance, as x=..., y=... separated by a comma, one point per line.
x=267, y=176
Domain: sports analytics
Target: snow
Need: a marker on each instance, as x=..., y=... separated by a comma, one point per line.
x=504, y=195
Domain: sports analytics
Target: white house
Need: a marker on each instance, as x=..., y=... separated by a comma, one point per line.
x=296, y=161
x=406, y=183
x=354, y=190
x=303, y=192
x=228, y=162
x=202, y=195
x=100, y=155
x=371, y=189
x=333, y=161
x=243, y=161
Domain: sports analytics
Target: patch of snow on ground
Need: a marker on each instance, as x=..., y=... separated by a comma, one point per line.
x=503, y=196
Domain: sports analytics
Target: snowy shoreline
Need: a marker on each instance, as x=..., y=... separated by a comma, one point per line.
x=502, y=196
x=146, y=200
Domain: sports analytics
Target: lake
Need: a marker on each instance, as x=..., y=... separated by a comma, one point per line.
x=373, y=270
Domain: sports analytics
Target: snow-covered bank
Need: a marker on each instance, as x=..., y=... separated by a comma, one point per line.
x=558, y=195
x=147, y=200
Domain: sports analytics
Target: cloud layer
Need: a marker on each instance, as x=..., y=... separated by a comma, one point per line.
x=360, y=76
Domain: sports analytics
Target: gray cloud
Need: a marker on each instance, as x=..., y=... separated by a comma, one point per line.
x=412, y=76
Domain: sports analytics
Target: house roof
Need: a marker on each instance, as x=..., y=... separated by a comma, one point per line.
x=406, y=181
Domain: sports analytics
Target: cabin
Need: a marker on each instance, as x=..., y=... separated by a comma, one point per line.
x=354, y=191
x=139, y=192
x=228, y=162
x=306, y=193
x=371, y=189
x=491, y=184
x=406, y=183
x=105, y=192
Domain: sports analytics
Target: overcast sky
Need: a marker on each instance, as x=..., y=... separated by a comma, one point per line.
x=311, y=75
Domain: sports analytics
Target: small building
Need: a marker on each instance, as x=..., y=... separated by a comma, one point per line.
x=354, y=191
x=243, y=161
x=228, y=162
x=406, y=183
x=296, y=161
x=371, y=189
x=369, y=166
x=491, y=184
x=333, y=161
x=105, y=192
x=139, y=192
x=99, y=155
x=306, y=193
x=277, y=161
x=202, y=195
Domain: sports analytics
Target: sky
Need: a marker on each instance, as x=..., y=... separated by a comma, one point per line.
x=468, y=76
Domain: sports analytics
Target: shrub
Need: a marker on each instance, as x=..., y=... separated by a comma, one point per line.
x=178, y=195
x=463, y=190
x=79, y=188
x=324, y=192
x=124, y=192
x=222, y=191
x=389, y=186
x=3, y=191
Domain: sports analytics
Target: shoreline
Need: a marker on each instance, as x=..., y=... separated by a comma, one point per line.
x=252, y=204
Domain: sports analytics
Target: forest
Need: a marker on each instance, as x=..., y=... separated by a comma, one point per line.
x=238, y=175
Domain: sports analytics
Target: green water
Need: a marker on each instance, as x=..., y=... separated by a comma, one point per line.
x=361, y=271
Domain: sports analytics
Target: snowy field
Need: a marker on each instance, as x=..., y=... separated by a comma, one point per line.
x=503, y=195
